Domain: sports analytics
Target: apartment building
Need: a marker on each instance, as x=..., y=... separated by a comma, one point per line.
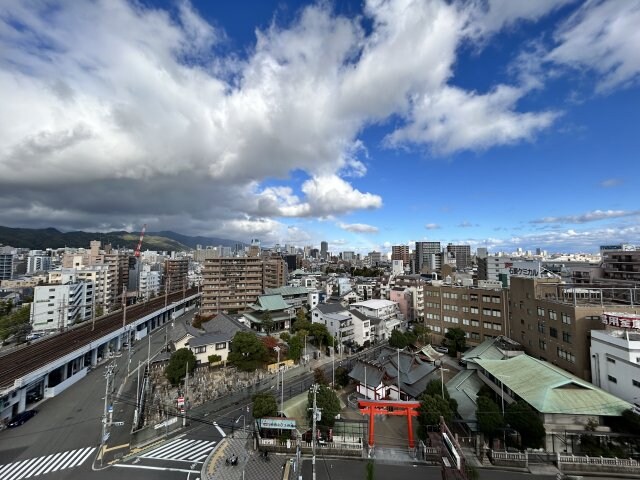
x=55, y=307
x=275, y=272
x=621, y=266
x=7, y=262
x=230, y=284
x=38, y=261
x=481, y=311
x=401, y=252
x=553, y=320
x=175, y=274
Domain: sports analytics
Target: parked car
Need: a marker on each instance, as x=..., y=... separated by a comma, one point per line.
x=441, y=349
x=21, y=418
x=33, y=397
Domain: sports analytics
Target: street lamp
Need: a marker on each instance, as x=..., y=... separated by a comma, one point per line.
x=442, y=370
x=243, y=422
x=504, y=432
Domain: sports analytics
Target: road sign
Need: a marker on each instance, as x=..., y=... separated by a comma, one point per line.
x=110, y=409
x=180, y=401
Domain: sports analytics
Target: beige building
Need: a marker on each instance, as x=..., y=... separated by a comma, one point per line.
x=230, y=284
x=481, y=312
x=175, y=273
x=274, y=272
x=553, y=320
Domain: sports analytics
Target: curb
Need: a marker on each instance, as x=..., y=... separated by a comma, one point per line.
x=205, y=465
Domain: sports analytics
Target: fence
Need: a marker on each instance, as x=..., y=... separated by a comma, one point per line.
x=618, y=462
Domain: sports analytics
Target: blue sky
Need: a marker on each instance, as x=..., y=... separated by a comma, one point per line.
x=367, y=124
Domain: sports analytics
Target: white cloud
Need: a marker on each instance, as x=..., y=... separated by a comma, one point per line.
x=155, y=123
x=454, y=119
x=602, y=36
x=432, y=226
x=358, y=227
x=592, y=216
x=466, y=224
x=611, y=182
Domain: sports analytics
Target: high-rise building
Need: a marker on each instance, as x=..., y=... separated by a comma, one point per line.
x=7, y=262
x=400, y=252
x=324, y=250
x=462, y=255
x=348, y=256
x=38, y=261
x=428, y=256
x=275, y=272
x=55, y=307
x=622, y=266
x=175, y=274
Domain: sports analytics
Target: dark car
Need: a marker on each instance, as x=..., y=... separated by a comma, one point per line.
x=21, y=418
x=33, y=397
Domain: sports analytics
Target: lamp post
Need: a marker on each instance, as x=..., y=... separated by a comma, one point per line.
x=243, y=422
x=277, y=349
x=504, y=432
x=442, y=370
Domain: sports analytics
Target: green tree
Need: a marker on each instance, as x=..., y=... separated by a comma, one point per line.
x=320, y=334
x=267, y=322
x=295, y=347
x=456, y=340
x=397, y=339
x=520, y=416
x=422, y=333
x=342, y=376
x=247, y=352
x=489, y=417
x=214, y=358
x=16, y=322
x=320, y=377
x=301, y=324
x=285, y=337
x=328, y=402
x=431, y=408
x=176, y=370
x=264, y=405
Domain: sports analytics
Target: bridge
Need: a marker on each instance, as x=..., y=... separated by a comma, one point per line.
x=50, y=365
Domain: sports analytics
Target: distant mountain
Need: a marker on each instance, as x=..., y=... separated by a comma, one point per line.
x=193, y=241
x=39, y=239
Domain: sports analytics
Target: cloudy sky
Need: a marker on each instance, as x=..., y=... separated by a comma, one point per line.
x=497, y=123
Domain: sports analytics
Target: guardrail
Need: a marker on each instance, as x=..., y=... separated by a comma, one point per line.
x=586, y=460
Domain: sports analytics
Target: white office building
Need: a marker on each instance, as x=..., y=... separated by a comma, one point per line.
x=615, y=362
x=56, y=307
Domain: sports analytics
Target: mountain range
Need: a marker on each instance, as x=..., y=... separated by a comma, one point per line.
x=42, y=238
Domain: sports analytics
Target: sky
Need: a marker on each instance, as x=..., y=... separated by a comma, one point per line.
x=494, y=123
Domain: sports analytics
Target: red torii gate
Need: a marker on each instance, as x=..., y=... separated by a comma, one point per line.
x=389, y=407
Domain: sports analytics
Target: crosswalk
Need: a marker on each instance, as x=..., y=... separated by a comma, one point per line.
x=41, y=465
x=183, y=450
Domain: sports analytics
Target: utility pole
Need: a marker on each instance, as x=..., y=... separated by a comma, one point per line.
x=398, y=374
x=186, y=391
x=107, y=376
x=315, y=416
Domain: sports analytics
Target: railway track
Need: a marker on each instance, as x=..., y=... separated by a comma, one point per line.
x=31, y=357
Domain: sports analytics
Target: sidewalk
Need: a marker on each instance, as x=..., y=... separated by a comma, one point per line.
x=250, y=465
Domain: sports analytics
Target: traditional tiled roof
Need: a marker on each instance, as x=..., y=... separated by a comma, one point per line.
x=271, y=303
x=331, y=307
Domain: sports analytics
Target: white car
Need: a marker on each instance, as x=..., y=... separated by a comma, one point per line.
x=441, y=349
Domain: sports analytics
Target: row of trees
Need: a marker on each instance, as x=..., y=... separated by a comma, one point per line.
x=400, y=339
x=14, y=322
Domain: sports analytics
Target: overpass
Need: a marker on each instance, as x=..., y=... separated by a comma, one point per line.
x=52, y=364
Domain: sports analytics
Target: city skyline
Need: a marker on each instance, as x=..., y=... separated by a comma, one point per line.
x=498, y=125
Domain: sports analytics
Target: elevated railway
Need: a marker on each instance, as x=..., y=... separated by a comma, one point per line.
x=37, y=355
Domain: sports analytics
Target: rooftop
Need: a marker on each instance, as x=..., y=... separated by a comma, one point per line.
x=374, y=304
x=285, y=291
x=549, y=389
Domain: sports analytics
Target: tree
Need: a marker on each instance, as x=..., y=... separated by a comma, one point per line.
x=285, y=337
x=429, y=412
x=176, y=370
x=422, y=333
x=320, y=377
x=301, y=324
x=489, y=417
x=214, y=358
x=327, y=401
x=16, y=322
x=456, y=340
x=267, y=322
x=397, y=339
x=320, y=333
x=342, y=376
x=247, y=352
x=264, y=405
x=525, y=420
x=295, y=347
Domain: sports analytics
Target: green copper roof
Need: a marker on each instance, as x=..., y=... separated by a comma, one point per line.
x=550, y=389
x=271, y=303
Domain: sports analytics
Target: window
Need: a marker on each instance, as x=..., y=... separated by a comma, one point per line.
x=553, y=315
x=566, y=318
x=612, y=379
x=475, y=323
x=475, y=336
x=465, y=309
x=635, y=383
x=540, y=312
x=611, y=360
x=568, y=356
x=495, y=299
x=200, y=349
x=540, y=327
x=542, y=344
x=497, y=326
x=486, y=298
x=566, y=337
x=553, y=332
x=473, y=297
x=465, y=321
x=221, y=345
x=474, y=310
x=486, y=311
x=465, y=296
x=496, y=313
x=486, y=325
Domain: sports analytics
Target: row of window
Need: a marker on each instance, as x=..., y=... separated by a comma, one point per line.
x=203, y=349
x=464, y=296
x=553, y=315
x=565, y=355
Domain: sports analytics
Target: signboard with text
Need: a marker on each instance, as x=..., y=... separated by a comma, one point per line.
x=523, y=269
x=279, y=423
x=621, y=320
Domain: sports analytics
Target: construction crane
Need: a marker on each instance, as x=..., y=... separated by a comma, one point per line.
x=137, y=253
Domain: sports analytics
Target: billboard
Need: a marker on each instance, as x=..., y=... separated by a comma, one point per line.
x=621, y=320
x=522, y=269
x=279, y=423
